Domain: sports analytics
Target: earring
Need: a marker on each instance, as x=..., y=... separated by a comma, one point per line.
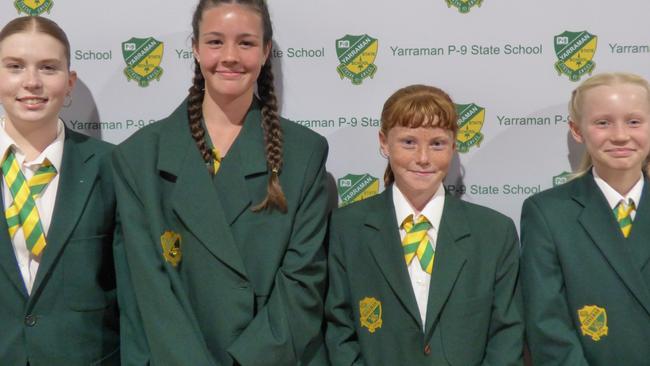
x=383, y=154
x=68, y=101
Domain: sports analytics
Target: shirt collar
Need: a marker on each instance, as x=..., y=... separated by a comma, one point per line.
x=613, y=197
x=53, y=152
x=432, y=210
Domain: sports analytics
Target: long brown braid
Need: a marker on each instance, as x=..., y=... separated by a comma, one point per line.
x=275, y=198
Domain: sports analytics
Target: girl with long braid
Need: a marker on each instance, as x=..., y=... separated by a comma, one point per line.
x=223, y=210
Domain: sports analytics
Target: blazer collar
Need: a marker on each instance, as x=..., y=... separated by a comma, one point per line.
x=208, y=207
x=79, y=171
x=599, y=222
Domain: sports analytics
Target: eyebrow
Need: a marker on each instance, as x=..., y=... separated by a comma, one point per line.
x=48, y=60
x=219, y=34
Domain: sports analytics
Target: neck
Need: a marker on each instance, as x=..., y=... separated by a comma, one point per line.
x=226, y=112
x=621, y=180
x=32, y=138
x=419, y=201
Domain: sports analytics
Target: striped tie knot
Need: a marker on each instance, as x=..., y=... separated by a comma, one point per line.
x=23, y=211
x=416, y=242
x=216, y=160
x=623, y=213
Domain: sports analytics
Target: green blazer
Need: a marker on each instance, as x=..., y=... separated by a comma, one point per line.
x=249, y=286
x=575, y=256
x=71, y=316
x=474, y=313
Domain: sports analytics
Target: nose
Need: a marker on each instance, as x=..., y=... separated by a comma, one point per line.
x=422, y=157
x=230, y=53
x=32, y=79
x=621, y=132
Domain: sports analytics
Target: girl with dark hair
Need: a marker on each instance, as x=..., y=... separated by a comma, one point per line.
x=417, y=276
x=57, y=280
x=223, y=208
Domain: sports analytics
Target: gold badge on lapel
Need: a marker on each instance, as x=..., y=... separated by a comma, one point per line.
x=593, y=321
x=171, y=246
x=370, y=313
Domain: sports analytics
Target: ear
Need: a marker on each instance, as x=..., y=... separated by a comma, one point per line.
x=267, y=51
x=575, y=132
x=72, y=81
x=195, y=51
x=383, y=144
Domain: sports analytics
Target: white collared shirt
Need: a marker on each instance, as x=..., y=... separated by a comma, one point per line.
x=27, y=262
x=613, y=197
x=420, y=279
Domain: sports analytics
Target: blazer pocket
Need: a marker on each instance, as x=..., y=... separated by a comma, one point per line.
x=464, y=329
x=86, y=266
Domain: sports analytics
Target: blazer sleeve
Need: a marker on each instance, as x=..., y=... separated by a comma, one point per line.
x=505, y=344
x=287, y=329
x=341, y=336
x=171, y=338
x=550, y=331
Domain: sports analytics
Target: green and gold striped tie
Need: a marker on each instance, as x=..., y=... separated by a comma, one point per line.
x=216, y=160
x=23, y=211
x=416, y=242
x=623, y=213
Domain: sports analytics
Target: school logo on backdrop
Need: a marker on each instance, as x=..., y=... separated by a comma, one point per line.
x=575, y=52
x=33, y=7
x=593, y=322
x=143, y=57
x=464, y=6
x=561, y=178
x=470, y=122
x=352, y=188
x=356, y=55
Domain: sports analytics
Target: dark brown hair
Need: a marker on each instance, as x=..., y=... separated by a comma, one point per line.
x=40, y=25
x=417, y=106
x=275, y=198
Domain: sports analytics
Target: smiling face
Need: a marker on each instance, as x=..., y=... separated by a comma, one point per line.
x=419, y=158
x=34, y=78
x=230, y=50
x=614, y=125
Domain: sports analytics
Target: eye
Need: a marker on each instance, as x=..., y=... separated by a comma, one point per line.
x=408, y=142
x=13, y=66
x=439, y=144
x=247, y=44
x=601, y=123
x=49, y=68
x=634, y=122
x=214, y=42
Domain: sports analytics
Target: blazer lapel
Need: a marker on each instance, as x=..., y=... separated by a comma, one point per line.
x=449, y=259
x=75, y=184
x=640, y=234
x=7, y=256
x=194, y=198
x=385, y=245
x=601, y=226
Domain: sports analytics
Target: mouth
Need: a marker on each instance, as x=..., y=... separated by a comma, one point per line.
x=229, y=74
x=620, y=152
x=32, y=102
x=421, y=173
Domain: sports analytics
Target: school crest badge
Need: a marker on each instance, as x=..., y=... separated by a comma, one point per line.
x=143, y=57
x=33, y=7
x=464, y=6
x=561, y=178
x=356, y=55
x=171, y=247
x=352, y=188
x=593, y=322
x=470, y=122
x=575, y=52
x=370, y=313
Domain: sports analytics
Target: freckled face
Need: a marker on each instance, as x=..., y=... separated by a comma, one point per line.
x=615, y=127
x=34, y=77
x=230, y=50
x=419, y=158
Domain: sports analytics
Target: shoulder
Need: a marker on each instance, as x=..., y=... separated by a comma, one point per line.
x=357, y=212
x=300, y=137
x=87, y=143
x=482, y=216
x=556, y=196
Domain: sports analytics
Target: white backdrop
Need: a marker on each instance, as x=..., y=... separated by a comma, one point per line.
x=497, y=59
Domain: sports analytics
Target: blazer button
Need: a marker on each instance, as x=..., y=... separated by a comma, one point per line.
x=30, y=320
x=427, y=350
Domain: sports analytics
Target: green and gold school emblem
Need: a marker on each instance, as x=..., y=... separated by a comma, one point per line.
x=370, y=313
x=561, y=178
x=356, y=55
x=470, y=122
x=575, y=51
x=171, y=247
x=143, y=57
x=593, y=321
x=352, y=188
x=464, y=6
x=33, y=7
